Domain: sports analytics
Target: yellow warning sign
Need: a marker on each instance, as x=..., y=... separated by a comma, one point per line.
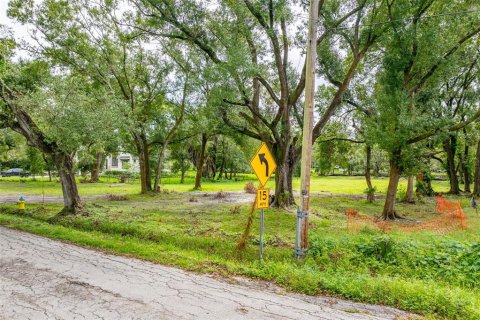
x=263, y=198
x=263, y=164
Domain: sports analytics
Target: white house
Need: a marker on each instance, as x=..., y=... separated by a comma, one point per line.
x=122, y=162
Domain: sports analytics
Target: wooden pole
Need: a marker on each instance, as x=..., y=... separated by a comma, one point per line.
x=301, y=243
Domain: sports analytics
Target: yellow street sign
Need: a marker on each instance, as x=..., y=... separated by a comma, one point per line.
x=263, y=164
x=263, y=198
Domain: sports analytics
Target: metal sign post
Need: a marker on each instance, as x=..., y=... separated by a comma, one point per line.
x=263, y=197
x=263, y=165
x=261, y=234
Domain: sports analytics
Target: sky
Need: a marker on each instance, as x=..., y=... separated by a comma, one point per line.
x=22, y=32
x=19, y=30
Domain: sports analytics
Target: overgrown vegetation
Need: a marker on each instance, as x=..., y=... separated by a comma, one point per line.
x=424, y=272
x=183, y=86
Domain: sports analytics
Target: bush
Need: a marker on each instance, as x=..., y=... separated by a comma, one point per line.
x=113, y=172
x=370, y=192
x=401, y=193
x=381, y=249
x=250, y=188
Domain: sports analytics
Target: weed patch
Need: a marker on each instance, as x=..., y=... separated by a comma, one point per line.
x=116, y=197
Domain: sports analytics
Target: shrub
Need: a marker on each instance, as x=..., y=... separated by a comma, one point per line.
x=370, y=192
x=380, y=248
x=250, y=188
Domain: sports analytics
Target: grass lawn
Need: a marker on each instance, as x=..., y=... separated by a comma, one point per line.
x=333, y=184
x=434, y=273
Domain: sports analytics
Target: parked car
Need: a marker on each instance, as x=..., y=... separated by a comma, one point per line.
x=15, y=172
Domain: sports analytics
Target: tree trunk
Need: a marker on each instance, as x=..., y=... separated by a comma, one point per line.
x=144, y=162
x=466, y=169
x=283, y=186
x=182, y=176
x=449, y=146
x=158, y=175
x=420, y=185
x=286, y=161
x=424, y=184
x=222, y=168
x=377, y=170
x=71, y=198
x=96, y=166
x=389, y=212
x=459, y=170
x=409, y=198
x=368, y=176
x=201, y=161
x=213, y=158
x=428, y=181
x=476, y=179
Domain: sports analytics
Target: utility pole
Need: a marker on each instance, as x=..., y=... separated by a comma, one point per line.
x=301, y=239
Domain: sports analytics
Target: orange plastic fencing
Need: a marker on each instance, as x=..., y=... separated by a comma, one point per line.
x=451, y=210
x=450, y=217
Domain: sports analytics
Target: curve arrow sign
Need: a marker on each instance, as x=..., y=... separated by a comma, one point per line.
x=263, y=160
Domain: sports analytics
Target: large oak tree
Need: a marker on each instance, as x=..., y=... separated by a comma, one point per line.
x=250, y=43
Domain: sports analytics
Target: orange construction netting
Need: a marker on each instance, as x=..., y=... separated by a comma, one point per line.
x=450, y=217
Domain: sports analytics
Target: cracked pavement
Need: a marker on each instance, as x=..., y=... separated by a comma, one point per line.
x=45, y=279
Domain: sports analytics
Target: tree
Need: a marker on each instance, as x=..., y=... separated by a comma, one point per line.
x=335, y=149
x=16, y=83
x=459, y=97
x=92, y=38
x=405, y=93
x=240, y=39
x=185, y=67
x=181, y=160
x=31, y=100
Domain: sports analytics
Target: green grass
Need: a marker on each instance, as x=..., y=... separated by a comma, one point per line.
x=43, y=186
x=337, y=184
x=426, y=272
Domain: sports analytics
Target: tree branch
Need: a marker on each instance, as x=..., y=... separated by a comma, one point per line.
x=450, y=52
x=342, y=139
x=452, y=128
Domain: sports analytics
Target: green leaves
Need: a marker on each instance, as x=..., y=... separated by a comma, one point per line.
x=72, y=113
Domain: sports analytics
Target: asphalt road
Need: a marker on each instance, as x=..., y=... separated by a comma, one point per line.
x=45, y=279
